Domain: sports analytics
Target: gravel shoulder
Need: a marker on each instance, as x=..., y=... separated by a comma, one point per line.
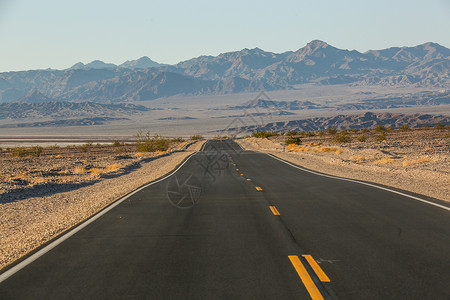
x=38, y=212
x=417, y=168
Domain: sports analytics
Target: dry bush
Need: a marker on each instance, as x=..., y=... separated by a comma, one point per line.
x=338, y=151
x=112, y=168
x=362, y=138
x=359, y=158
x=384, y=160
x=411, y=162
x=95, y=171
x=79, y=171
x=38, y=180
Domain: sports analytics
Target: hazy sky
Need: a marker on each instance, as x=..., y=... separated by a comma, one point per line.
x=38, y=34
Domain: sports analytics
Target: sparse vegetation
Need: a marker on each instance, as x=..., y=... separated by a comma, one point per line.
x=292, y=133
x=381, y=137
x=293, y=140
x=362, y=138
x=148, y=143
x=439, y=126
x=177, y=140
x=197, y=137
x=36, y=151
x=332, y=131
x=404, y=127
x=85, y=147
x=19, y=151
x=342, y=137
x=380, y=128
x=264, y=134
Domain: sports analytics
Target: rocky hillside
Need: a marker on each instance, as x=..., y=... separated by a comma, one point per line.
x=426, y=65
x=366, y=120
x=58, y=110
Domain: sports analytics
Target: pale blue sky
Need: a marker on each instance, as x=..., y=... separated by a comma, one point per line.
x=57, y=33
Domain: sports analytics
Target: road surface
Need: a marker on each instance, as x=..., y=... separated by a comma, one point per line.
x=234, y=224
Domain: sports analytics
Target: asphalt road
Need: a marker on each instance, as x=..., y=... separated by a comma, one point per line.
x=233, y=224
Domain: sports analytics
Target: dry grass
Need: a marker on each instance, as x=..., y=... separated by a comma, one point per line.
x=79, y=171
x=112, y=168
x=359, y=158
x=38, y=180
x=412, y=162
x=95, y=172
x=384, y=160
x=22, y=176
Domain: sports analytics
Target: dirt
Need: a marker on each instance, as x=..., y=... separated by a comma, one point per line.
x=412, y=160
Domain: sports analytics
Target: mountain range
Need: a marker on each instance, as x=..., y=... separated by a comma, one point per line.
x=248, y=70
x=366, y=120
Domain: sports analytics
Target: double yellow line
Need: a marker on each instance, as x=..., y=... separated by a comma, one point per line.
x=304, y=275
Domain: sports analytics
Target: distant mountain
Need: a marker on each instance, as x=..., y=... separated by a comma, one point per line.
x=96, y=64
x=141, y=63
x=366, y=120
x=34, y=96
x=61, y=110
x=426, y=65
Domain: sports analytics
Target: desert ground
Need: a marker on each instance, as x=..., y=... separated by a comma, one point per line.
x=417, y=160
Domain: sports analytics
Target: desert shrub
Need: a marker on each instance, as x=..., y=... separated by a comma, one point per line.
x=309, y=134
x=292, y=133
x=264, y=134
x=404, y=127
x=342, y=137
x=293, y=140
x=362, y=138
x=439, y=126
x=177, y=140
x=36, y=151
x=148, y=143
x=380, y=128
x=390, y=128
x=116, y=143
x=355, y=130
x=321, y=133
x=381, y=137
x=19, y=151
x=364, y=130
x=85, y=147
x=197, y=137
x=332, y=131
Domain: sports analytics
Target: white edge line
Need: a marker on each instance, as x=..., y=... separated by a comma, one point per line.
x=61, y=239
x=361, y=182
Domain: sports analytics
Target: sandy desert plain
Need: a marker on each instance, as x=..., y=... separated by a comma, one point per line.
x=41, y=196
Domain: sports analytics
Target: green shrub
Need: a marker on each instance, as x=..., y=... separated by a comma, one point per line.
x=292, y=133
x=36, y=151
x=19, y=151
x=85, y=147
x=364, y=130
x=147, y=143
x=264, y=134
x=116, y=143
x=342, y=137
x=355, y=130
x=177, y=140
x=380, y=128
x=362, y=138
x=197, y=137
x=439, y=126
x=404, y=127
x=293, y=140
x=332, y=131
x=381, y=137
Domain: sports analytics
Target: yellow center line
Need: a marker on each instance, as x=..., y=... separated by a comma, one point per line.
x=242, y=174
x=237, y=169
x=258, y=188
x=248, y=179
x=306, y=279
x=320, y=273
x=274, y=210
